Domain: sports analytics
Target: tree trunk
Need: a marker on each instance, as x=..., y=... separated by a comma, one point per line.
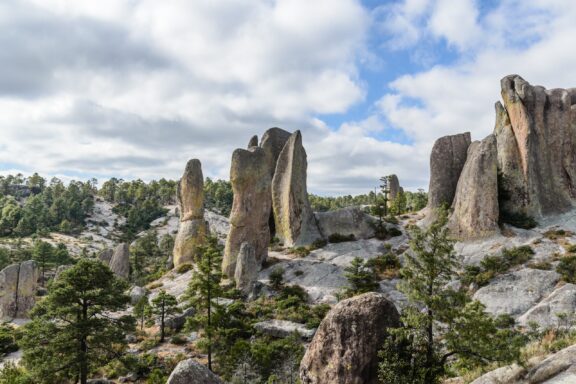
x=209, y=313
x=162, y=323
x=84, y=349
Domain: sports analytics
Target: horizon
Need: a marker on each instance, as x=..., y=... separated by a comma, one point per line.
x=133, y=89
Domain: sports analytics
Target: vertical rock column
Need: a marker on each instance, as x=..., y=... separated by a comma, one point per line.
x=192, y=229
x=18, y=286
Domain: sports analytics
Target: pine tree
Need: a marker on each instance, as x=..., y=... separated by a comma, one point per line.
x=70, y=334
x=163, y=306
x=361, y=277
x=142, y=311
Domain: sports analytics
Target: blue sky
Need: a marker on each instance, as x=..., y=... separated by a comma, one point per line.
x=135, y=88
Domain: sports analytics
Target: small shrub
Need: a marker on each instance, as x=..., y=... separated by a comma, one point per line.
x=339, y=238
x=393, y=232
x=184, y=268
x=544, y=265
x=318, y=243
x=298, y=272
x=571, y=248
x=277, y=278
x=7, y=339
x=155, y=285
x=178, y=340
x=391, y=219
x=518, y=220
x=300, y=251
x=567, y=269
x=517, y=255
x=387, y=264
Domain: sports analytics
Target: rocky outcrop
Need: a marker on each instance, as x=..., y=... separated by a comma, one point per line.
x=393, y=187
x=272, y=143
x=18, y=287
x=253, y=142
x=475, y=208
x=192, y=230
x=346, y=221
x=295, y=221
x=190, y=371
x=284, y=328
x=546, y=312
x=106, y=256
x=251, y=183
x=247, y=267
x=537, y=147
x=345, y=347
x=446, y=163
x=136, y=294
x=120, y=262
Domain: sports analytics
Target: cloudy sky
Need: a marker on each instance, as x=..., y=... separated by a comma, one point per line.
x=134, y=88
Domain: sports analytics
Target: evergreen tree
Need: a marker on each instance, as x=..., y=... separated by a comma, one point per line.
x=142, y=311
x=163, y=306
x=43, y=253
x=204, y=288
x=440, y=323
x=71, y=334
x=361, y=277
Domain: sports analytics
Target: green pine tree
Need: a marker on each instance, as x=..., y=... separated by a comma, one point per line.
x=361, y=277
x=163, y=306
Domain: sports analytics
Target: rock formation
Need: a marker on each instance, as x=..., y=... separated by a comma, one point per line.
x=253, y=142
x=345, y=347
x=247, y=268
x=192, y=229
x=537, y=147
x=251, y=180
x=272, y=143
x=190, y=371
x=18, y=287
x=475, y=208
x=394, y=187
x=446, y=162
x=106, y=256
x=346, y=221
x=295, y=221
x=120, y=262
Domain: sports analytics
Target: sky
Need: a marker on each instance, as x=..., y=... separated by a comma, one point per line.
x=134, y=88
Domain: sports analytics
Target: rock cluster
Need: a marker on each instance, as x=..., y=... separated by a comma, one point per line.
x=526, y=168
x=192, y=229
x=345, y=347
x=18, y=287
x=190, y=371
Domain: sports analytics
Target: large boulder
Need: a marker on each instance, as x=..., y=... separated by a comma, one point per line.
x=475, y=208
x=346, y=221
x=295, y=221
x=272, y=143
x=18, y=287
x=345, y=348
x=192, y=229
x=251, y=182
x=537, y=162
x=546, y=313
x=192, y=372
x=446, y=163
x=120, y=262
x=246, y=272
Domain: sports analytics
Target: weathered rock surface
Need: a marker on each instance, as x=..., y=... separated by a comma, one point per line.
x=106, y=255
x=475, y=208
x=538, y=158
x=295, y=221
x=446, y=162
x=18, y=287
x=120, y=263
x=251, y=183
x=559, y=368
x=219, y=225
x=346, y=221
x=545, y=313
x=192, y=372
x=192, y=229
x=394, y=187
x=247, y=267
x=516, y=292
x=253, y=142
x=272, y=143
x=284, y=328
x=136, y=294
x=177, y=322
x=345, y=347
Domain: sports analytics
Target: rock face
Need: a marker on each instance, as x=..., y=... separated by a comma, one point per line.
x=537, y=147
x=446, y=162
x=295, y=221
x=18, y=287
x=272, y=143
x=251, y=181
x=545, y=313
x=120, y=263
x=344, y=350
x=190, y=371
x=346, y=221
x=106, y=256
x=283, y=328
x=247, y=267
x=253, y=142
x=192, y=228
x=136, y=294
x=475, y=208
x=394, y=187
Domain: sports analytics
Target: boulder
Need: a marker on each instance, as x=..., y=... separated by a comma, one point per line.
x=136, y=294
x=251, y=181
x=294, y=220
x=545, y=313
x=538, y=158
x=345, y=347
x=178, y=321
x=516, y=292
x=475, y=208
x=18, y=287
x=247, y=267
x=446, y=162
x=105, y=256
x=283, y=328
x=253, y=142
x=346, y=221
x=192, y=229
x=120, y=263
x=192, y=372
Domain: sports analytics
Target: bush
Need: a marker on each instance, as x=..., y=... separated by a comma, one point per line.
x=393, y=232
x=567, y=269
x=318, y=243
x=517, y=255
x=277, y=278
x=300, y=251
x=387, y=264
x=178, y=340
x=340, y=238
x=518, y=220
x=7, y=339
x=571, y=248
x=543, y=265
x=184, y=268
